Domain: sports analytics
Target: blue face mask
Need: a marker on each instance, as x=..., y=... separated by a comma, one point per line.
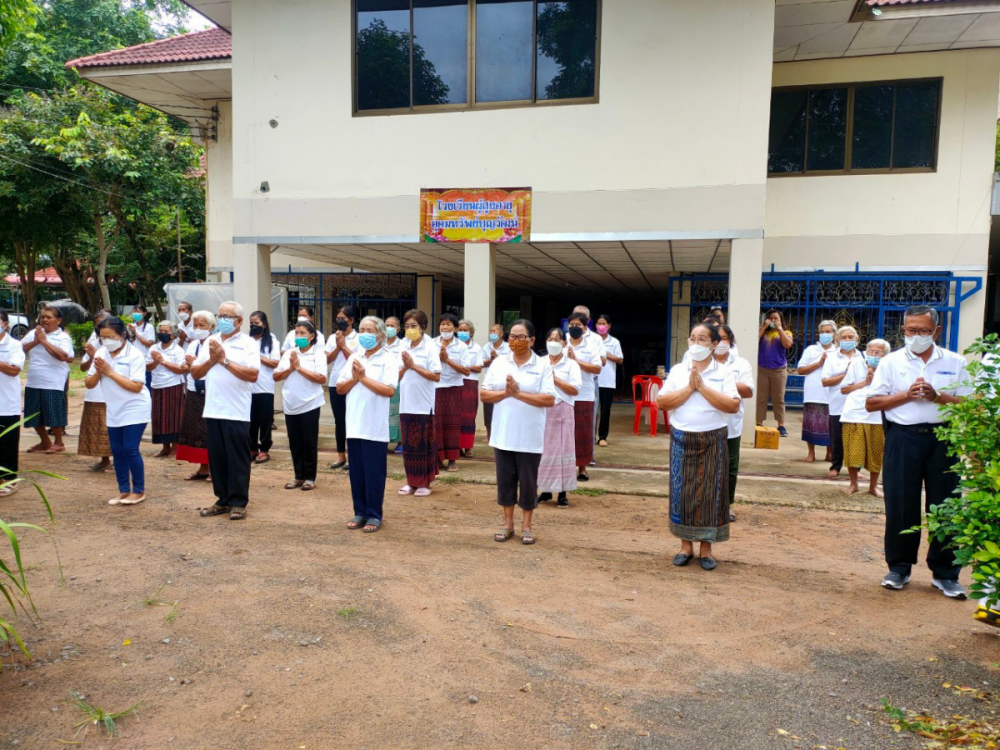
x=464, y=335
x=848, y=346
x=494, y=337
x=226, y=326
x=826, y=338
x=391, y=332
x=872, y=361
x=367, y=341
x=137, y=317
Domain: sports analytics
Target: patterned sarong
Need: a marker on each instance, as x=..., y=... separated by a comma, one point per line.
x=448, y=421
x=699, y=485
x=816, y=424
x=470, y=406
x=584, y=431
x=420, y=454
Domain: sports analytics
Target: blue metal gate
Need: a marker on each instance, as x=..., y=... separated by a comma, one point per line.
x=381, y=294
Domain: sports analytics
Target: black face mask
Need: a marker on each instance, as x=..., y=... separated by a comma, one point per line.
x=163, y=338
x=575, y=332
x=256, y=330
x=341, y=324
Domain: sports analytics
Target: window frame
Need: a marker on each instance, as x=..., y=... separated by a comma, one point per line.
x=470, y=104
x=852, y=88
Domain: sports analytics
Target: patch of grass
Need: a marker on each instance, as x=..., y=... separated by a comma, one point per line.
x=398, y=477
x=173, y=614
x=106, y=721
x=955, y=730
x=589, y=491
x=449, y=479
x=347, y=612
x=153, y=599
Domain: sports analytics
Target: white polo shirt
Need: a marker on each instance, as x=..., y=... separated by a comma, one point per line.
x=609, y=373
x=945, y=371
x=186, y=328
x=162, y=377
x=518, y=426
x=193, y=349
x=45, y=371
x=226, y=396
x=396, y=346
x=590, y=351
x=147, y=331
x=367, y=412
x=696, y=414
x=473, y=358
x=813, y=390
x=94, y=395
x=744, y=375
x=457, y=353
x=416, y=393
x=265, y=380
x=340, y=360
x=300, y=395
x=11, y=353
x=837, y=363
x=125, y=407
x=854, y=405
x=569, y=372
x=289, y=342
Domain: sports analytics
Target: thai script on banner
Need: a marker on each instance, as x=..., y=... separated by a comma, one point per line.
x=475, y=215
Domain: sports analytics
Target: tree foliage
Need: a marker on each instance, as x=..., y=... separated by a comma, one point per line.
x=567, y=33
x=16, y=17
x=384, y=70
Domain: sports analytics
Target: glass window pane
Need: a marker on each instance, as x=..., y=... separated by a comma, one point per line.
x=871, y=140
x=827, y=140
x=383, y=49
x=916, y=124
x=786, y=143
x=440, y=51
x=504, y=50
x=567, y=49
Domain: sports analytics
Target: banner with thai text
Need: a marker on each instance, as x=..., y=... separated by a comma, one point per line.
x=475, y=215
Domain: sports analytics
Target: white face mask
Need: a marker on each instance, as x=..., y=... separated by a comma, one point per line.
x=201, y=333
x=447, y=335
x=112, y=345
x=919, y=344
x=698, y=352
x=722, y=347
x=184, y=317
x=302, y=319
x=555, y=348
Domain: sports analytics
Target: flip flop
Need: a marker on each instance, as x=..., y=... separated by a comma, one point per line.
x=374, y=523
x=263, y=458
x=308, y=485
x=294, y=484
x=422, y=492
x=356, y=523
x=198, y=477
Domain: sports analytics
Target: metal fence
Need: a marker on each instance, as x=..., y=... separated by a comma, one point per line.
x=381, y=294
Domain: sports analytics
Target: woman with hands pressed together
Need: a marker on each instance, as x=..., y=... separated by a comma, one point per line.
x=834, y=370
x=448, y=397
x=303, y=370
x=420, y=370
x=192, y=443
x=864, y=438
x=339, y=348
x=165, y=361
x=557, y=471
x=11, y=364
x=93, y=440
x=50, y=350
x=587, y=351
x=815, y=397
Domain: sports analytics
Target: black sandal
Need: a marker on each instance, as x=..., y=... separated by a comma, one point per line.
x=582, y=477
x=196, y=477
x=215, y=510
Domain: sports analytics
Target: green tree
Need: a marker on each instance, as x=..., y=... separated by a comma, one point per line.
x=16, y=17
x=384, y=70
x=567, y=34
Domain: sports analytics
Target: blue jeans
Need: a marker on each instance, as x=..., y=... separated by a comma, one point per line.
x=128, y=461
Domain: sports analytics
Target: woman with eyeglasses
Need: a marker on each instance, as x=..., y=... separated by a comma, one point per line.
x=120, y=367
x=470, y=387
x=864, y=440
x=262, y=392
x=394, y=345
x=834, y=371
x=367, y=382
x=522, y=389
x=339, y=348
x=192, y=443
x=93, y=440
x=448, y=397
x=491, y=352
x=701, y=394
x=50, y=350
x=816, y=398
x=557, y=471
x=774, y=339
x=165, y=360
x=11, y=364
x=420, y=370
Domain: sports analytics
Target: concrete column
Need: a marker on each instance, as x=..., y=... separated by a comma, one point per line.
x=252, y=277
x=743, y=316
x=480, y=295
x=428, y=298
x=219, y=198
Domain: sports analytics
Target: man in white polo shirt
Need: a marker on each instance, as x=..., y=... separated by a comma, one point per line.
x=229, y=365
x=186, y=326
x=908, y=388
x=591, y=339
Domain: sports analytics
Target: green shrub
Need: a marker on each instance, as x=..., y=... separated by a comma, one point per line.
x=80, y=332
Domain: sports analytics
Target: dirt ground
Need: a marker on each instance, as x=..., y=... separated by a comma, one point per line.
x=286, y=630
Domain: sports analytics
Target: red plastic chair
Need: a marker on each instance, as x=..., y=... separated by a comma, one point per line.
x=642, y=387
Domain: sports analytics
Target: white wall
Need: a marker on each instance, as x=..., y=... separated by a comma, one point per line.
x=678, y=141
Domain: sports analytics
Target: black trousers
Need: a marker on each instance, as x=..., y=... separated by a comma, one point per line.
x=607, y=398
x=229, y=461
x=915, y=460
x=261, y=419
x=9, y=444
x=367, y=470
x=338, y=404
x=303, y=441
x=836, y=443
x=517, y=478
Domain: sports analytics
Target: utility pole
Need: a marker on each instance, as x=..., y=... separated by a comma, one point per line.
x=180, y=263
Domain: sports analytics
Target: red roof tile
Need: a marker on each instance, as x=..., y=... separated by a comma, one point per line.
x=886, y=3
x=212, y=44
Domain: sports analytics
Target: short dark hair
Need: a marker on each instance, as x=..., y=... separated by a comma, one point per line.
x=349, y=312
x=556, y=329
x=449, y=317
x=605, y=317
x=729, y=332
x=114, y=323
x=582, y=317
x=185, y=303
x=916, y=311
x=392, y=317
x=310, y=328
x=712, y=320
x=311, y=312
x=528, y=326
x=55, y=310
x=713, y=331
x=418, y=315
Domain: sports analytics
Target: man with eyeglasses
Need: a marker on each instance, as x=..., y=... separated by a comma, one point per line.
x=909, y=387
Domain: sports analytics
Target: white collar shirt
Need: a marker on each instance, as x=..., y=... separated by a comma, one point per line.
x=473, y=358
x=416, y=393
x=289, y=342
x=226, y=396
x=12, y=354
x=569, y=372
x=265, y=380
x=854, y=405
x=162, y=377
x=147, y=331
x=300, y=395
x=194, y=348
x=813, y=390
x=125, y=407
x=186, y=329
x=590, y=351
x=517, y=426
x=837, y=364
x=351, y=340
x=945, y=371
x=45, y=372
x=697, y=414
x=743, y=372
x=609, y=373
x=368, y=412
x=396, y=346
x=94, y=395
x=458, y=353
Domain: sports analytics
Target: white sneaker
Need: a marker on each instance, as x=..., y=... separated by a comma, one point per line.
x=951, y=589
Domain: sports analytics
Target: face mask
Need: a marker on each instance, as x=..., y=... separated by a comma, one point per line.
x=872, y=360
x=302, y=343
x=341, y=324
x=391, y=332
x=256, y=330
x=201, y=333
x=494, y=337
x=826, y=338
x=163, y=338
x=575, y=332
x=722, y=348
x=367, y=341
x=184, y=317
x=603, y=330
x=464, y=335
x=137, y=317
x=555, y=347
x=698, y=352
x=414, y=334
x=226, y=326
x=848, y=346
x=302, y=319
x=112, y=345
x=519, y=347
x=919, y=344
x=446, y=335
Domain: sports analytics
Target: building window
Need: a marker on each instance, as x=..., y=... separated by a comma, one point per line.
x=857, y=128
x=446, y=54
